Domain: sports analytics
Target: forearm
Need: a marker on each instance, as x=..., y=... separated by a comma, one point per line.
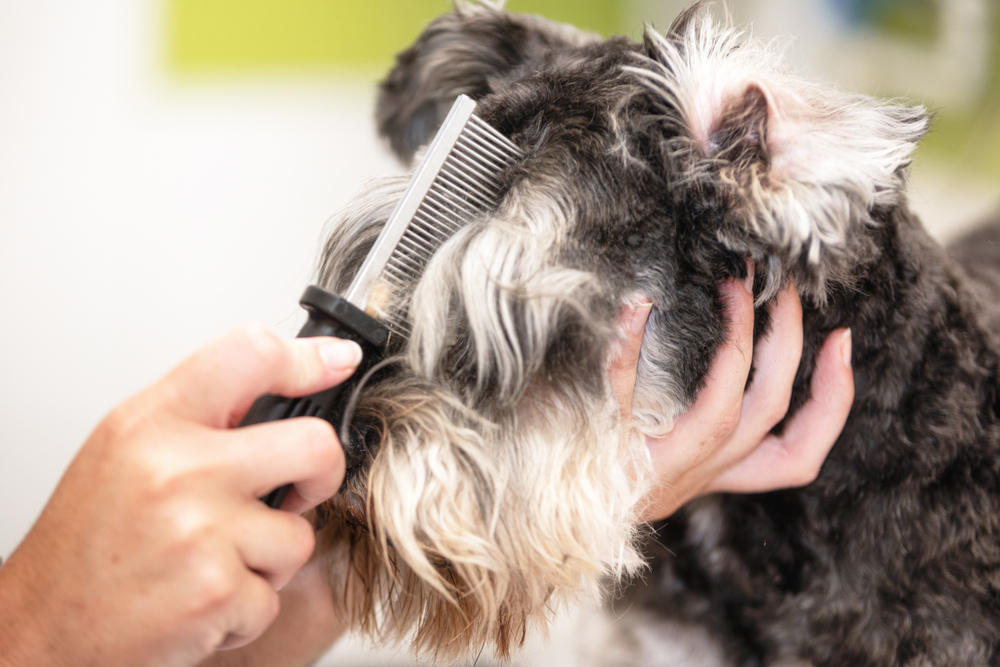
x=35, y=632
x=15, y=639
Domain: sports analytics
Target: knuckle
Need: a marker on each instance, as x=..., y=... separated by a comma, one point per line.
x=302, y=542
x=809, y=469
x=262, y=345
x=802, y=469
x=778, y=407
x=328, y=458
x=163, y=485
x=120, y=425
x=805, y=475
x=207, y=638
x=215, y=585
x=323, y=446
x=168, y=475
x=148, y=453
x=725, y=423
x=190, y=530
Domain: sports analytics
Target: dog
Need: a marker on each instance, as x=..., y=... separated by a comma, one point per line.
x=500, y=481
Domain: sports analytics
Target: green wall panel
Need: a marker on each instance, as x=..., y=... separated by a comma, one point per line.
x=603, y=16
x=267, y=34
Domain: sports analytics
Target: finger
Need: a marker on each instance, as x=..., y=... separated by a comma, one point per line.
x=297, y=503
x=622, y=369
x=776, y=361
x=795, y=458
x=303, y=451
x=254, y=609
x=814, y=429
x=708, y=424
x=273, y=544
x=226, y=376
x=716, y=410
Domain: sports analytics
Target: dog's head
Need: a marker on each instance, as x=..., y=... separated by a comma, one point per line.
x=501, y=480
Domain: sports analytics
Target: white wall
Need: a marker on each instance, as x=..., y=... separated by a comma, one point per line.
x=141, y=215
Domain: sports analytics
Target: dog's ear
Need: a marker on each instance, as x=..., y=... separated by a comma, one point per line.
x=803, y=168
x=469, y=51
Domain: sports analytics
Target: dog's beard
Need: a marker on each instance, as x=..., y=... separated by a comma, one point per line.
x=503, y=482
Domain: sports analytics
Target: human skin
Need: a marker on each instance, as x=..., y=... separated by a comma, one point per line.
x=723, y=442
x=154, y=548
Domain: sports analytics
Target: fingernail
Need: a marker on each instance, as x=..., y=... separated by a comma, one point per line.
x=748, y=281
x=639, y=316
x=341, y=354
x=845, y=347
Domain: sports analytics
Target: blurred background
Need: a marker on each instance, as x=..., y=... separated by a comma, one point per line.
x=167, y=167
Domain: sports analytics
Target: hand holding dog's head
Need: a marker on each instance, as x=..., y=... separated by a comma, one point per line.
x=503, y=480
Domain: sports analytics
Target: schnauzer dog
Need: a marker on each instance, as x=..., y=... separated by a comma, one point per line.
x=499, y=480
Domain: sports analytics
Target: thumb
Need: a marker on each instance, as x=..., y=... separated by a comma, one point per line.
x=224, y=377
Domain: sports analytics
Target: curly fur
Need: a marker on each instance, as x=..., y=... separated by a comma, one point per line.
x=502, y=482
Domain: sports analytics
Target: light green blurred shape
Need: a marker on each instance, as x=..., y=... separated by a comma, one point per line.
x=970, y=141
x=603, y=16
x=916, y=20
x=262, y=35
x=269, y=34
x=265, y=34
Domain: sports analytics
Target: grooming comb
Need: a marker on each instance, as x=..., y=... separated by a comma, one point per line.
x=455, y=183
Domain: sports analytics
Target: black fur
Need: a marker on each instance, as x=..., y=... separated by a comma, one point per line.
x=892, y=556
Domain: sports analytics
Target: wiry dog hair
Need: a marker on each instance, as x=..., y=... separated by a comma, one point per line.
x=501, y=481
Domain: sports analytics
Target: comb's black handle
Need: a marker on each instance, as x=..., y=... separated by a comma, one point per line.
x=329, y=315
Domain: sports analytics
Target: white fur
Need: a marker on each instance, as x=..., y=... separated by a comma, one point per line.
x=833, y=156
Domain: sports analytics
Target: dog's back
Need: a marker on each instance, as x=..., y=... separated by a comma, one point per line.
x=978, y=253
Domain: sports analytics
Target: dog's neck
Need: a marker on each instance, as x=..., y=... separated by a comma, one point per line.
x=919, y=347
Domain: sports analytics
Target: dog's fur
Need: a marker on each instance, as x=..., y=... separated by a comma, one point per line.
x=502, y=482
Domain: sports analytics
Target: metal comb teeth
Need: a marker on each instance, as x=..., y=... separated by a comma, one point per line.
x=455, y=183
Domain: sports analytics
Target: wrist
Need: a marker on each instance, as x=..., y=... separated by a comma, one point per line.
x=15, y=638
x=24, y=639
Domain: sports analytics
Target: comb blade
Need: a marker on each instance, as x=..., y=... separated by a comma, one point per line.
x=455, y=183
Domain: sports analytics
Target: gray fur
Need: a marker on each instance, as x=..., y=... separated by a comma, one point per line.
x=660, y=168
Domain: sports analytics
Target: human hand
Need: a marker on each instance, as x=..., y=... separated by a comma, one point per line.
x=723, y=442
x=309, y=623
x=154, y=548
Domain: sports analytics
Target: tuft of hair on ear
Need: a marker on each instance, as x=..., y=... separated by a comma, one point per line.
x=805, y=169
x=464, y=52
